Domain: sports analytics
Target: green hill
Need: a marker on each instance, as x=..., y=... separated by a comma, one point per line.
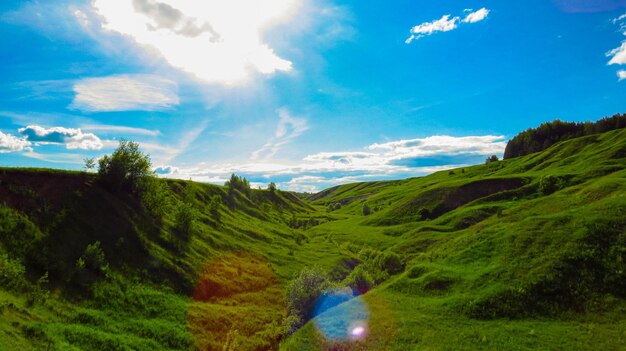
x=524, y=253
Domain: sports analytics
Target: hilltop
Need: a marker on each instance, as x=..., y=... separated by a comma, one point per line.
x=524, y=253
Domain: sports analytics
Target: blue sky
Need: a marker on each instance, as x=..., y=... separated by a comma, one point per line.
x=305, y=93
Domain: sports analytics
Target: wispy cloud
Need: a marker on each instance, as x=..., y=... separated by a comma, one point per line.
x=216, y=41
x=618, y=55
x=396, y=159
x=121, y=129
x=72, y=138
x=62, y=158
x=11, y=143
x=125, y=93
x=445, y=24
x=289, y=128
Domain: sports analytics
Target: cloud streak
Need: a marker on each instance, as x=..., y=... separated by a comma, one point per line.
x=125, y=93
x=445, y=24
x=289, y=128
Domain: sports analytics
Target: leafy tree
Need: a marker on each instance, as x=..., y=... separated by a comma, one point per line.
x=90, y=163
x=126, y=167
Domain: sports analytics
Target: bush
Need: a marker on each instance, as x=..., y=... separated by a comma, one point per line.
x=366, y=210
x=18, y=234
x=389, y=262
x=214, y=206
x=12, y=274
x=492, y=158
x=91, y=265
x=185, y=220
x=360, y=280
x=303, y=292
x=237, y=183
x=126, y=167
x=155, y=197
x=549, y=184
x=271, y=187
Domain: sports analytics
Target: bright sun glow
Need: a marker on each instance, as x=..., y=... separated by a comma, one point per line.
x=217, y=41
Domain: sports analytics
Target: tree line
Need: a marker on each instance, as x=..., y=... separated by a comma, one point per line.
x=549, y=133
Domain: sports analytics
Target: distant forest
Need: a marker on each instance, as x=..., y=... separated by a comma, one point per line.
x=550, y=133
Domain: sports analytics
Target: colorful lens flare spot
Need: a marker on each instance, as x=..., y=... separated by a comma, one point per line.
x=358, y=331
x=341, y=315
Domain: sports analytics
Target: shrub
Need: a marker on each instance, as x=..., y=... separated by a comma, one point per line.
x=303, y=292
x=237, y=183
x=271, y=187
x=91, y=265
x=492, y=158
x=389, y=262
x=366, y=210
x=186, y=216
x=549, y=184
x=12, y=274
x=18, y=234
x=155, y=197
x=360, y=280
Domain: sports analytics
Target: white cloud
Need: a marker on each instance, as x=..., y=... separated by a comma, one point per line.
x=444, y=24
x=443, y=144
x=618, y=55
x=217, y=41
x=621, y=74
x=378, y=161
x=476, y=16
x=72, y=138
x=288, y=129
x=11, y=143
x=125, y=93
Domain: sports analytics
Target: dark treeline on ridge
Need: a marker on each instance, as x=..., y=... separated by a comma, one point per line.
x=549, y=133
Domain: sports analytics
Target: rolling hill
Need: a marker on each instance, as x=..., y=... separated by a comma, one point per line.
x=524, y=253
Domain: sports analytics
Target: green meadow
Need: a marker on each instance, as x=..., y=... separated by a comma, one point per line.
x=526, y=253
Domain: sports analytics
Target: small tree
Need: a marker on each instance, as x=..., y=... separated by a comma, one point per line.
x=90, y=164
x=271, y=187
x=125, y=167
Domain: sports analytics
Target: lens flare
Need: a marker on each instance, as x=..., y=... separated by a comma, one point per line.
x=341, y=315
x=358, y=331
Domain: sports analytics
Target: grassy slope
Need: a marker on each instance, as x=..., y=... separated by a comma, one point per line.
x=501, y=258
x=485, y=251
